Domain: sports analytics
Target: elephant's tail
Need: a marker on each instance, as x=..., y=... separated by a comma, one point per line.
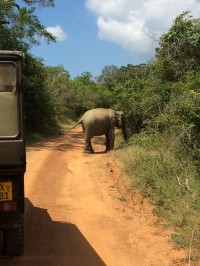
x=79, y=122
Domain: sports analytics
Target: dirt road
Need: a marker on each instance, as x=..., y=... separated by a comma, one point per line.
x=80, y=213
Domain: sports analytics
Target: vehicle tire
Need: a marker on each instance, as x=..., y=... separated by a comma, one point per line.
x=14, y=240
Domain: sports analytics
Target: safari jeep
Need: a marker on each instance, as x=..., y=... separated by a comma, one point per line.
x=12, y=154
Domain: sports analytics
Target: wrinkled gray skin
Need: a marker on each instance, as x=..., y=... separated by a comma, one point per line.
x=98, y=122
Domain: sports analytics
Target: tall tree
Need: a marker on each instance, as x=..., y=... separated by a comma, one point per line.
x=19, y=26
x=40, y=106
x=108, y=76
x=58, y=85
x=179, y=49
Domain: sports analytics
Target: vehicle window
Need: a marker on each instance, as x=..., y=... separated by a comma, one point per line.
x=9, y=116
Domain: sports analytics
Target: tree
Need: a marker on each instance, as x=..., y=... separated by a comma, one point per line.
x=40, y=107
x=86, y=79
x=179, y=49
x=108, y=76
x=19, y=26
x=84, y=93
x=58, y=85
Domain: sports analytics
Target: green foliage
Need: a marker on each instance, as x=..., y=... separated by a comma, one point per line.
x=19, y=26
x=105, y=97
x=142, y=98
x=179, y=45
x=58, y=85
x=182, y=114
x=108, y=76
x=87, y=94
x=39, y=107
x=128, y=97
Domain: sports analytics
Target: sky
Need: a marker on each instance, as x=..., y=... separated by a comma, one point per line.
x=92, y=34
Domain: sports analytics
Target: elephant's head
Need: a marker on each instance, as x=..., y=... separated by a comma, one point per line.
x=120, y=122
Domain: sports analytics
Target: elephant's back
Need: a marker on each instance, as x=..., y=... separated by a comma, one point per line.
x=97, y=121
x=102, y=122
x=98, y=114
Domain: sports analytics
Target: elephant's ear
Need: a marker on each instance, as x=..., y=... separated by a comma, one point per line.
x=118, y=114
x=118, y=118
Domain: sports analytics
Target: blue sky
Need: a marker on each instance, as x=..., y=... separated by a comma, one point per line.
x=94, y=33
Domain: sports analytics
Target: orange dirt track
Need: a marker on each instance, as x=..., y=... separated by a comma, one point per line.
x=80, y=212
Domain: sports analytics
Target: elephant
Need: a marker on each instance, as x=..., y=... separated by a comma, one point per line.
x=98, y=122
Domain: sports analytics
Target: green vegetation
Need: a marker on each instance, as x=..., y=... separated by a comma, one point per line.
x=169, y=179
x=161, y=101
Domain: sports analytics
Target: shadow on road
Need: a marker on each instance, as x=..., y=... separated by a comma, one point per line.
x=70, y=141
x=52, y=243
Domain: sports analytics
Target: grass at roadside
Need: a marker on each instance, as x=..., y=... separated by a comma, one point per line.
x=171, y=182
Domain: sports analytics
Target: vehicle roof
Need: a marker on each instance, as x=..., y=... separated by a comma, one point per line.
x=12, y=53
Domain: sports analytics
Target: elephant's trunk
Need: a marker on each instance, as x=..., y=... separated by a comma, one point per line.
x=124, y=133
x=120, y=122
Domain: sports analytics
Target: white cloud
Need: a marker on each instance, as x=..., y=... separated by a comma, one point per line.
x=58, y=32
x=133, y=23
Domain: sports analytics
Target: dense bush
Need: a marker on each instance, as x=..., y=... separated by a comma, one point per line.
x=40, y=107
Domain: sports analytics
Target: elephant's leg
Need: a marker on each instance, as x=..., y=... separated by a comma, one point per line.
x=88, y=146
x=110, y=139
x=107, y=142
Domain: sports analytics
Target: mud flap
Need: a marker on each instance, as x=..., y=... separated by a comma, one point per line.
x=14, y=240
x=1, y=243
